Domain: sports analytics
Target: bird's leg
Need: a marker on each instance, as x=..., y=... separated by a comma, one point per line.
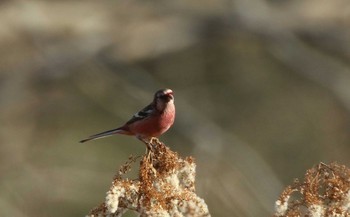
x=149, y=148
x=154, y=139
x=149, y=152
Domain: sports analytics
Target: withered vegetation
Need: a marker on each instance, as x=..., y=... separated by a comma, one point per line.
x=325, y=191
x=165, y=187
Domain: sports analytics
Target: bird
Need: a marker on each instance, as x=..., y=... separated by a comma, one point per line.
x=149, y=123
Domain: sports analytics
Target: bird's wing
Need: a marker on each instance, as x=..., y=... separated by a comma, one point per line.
x=144, y=113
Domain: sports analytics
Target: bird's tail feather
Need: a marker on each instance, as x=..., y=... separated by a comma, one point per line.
x=105, y=134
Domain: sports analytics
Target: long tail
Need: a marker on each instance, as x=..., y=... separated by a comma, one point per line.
x=105, y=134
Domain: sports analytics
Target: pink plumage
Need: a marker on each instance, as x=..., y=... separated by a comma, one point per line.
x=152, y=121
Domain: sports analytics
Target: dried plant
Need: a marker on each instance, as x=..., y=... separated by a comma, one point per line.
x=325, y=191
x=165, y=187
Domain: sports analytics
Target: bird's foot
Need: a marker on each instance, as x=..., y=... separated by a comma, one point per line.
x=154, y=140
x=150, y=146
x=149, y=155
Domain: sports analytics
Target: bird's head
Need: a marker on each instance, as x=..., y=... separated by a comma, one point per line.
x=162, y=98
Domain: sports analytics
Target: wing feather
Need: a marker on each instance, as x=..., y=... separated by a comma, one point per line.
x=142, y=114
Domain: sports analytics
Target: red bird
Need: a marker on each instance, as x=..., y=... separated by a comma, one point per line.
x=152, y=121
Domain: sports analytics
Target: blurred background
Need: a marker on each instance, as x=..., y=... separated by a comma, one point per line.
x=262, y=90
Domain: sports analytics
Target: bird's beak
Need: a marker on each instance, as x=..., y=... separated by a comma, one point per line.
x=170, y=95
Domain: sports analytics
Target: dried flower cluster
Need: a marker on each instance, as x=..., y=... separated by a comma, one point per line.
x=325, y=191
x=165, y=187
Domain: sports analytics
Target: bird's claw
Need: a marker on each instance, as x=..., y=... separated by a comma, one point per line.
x=154, y=140
x=150, y=144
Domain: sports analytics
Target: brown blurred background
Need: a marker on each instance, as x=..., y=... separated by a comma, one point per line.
x=262, y=90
